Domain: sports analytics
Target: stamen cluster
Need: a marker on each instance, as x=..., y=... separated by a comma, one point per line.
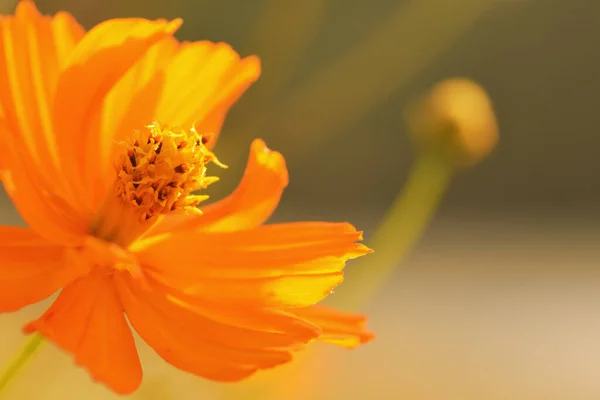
x=158, y=169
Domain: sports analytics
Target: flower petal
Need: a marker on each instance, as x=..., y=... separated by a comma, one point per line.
x=249, y=206
x=43, y=209
x=254, y=200
x=87, y=320
x=96, y=64
x=280, y=266
x=34, y=48
x=31, y=268
x=186, y=338
x=339, y=328
x=129, y=106
x=203, y=81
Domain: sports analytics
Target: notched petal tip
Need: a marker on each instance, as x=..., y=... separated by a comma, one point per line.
x=347, y=330
x=173, y=25
x=362, y=250
x=251, y=68
x=29, y=328
x=27, y=8
x=273, y=160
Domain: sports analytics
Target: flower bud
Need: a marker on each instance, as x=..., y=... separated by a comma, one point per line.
x=456, y=115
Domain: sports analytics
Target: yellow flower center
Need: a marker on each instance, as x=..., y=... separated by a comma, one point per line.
x=158, y=170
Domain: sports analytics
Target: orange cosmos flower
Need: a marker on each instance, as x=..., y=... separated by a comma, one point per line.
x=107, y=194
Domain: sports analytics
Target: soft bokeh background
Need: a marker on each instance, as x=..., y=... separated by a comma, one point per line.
x=501, y=298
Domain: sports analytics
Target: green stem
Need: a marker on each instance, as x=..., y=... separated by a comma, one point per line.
x=26, y=353
x=400, y=229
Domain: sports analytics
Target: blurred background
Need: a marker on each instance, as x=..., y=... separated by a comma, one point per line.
x=501, y=297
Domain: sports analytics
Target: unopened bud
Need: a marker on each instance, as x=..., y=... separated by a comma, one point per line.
x=456, y=115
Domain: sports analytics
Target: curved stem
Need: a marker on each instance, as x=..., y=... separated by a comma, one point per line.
x=400, y=229
x=26, y=353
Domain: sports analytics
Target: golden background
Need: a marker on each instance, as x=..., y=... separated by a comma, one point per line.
x=501, y=298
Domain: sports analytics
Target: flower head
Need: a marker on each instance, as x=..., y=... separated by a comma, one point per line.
x=105, y=140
